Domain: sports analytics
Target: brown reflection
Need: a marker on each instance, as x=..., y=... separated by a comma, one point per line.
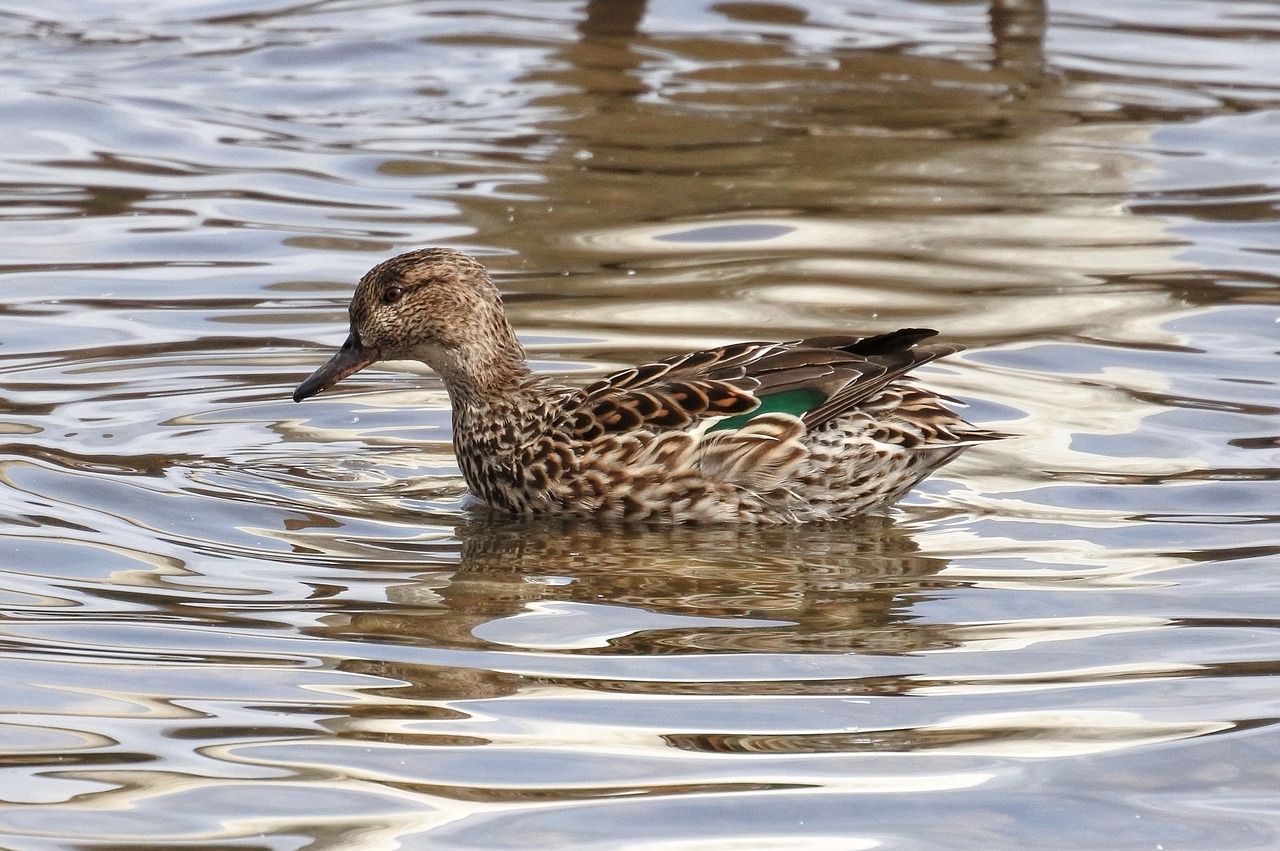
x=525, y=795
x=1017, y=34
x=868, y=741
x=771, y=124
x=834, y=589
x=843, y=588
x=1027, y=734
x=611, y=18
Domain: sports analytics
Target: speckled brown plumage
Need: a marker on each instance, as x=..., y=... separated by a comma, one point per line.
x=815, y=429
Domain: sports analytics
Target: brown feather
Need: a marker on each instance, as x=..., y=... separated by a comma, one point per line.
x=760, y=456
x=814, y=429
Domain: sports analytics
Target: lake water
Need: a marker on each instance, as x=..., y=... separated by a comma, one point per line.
x=228, y=621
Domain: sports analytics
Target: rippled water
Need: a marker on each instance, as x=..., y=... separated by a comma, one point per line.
x=229, y=621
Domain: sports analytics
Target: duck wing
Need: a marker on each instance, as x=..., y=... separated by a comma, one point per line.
x=815, y=379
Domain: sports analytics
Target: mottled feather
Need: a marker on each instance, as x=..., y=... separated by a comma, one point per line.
x=812, y=429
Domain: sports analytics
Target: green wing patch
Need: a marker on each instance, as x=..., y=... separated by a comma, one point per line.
x=796, y=402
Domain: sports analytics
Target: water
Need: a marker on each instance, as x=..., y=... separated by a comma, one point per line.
x=230, y=621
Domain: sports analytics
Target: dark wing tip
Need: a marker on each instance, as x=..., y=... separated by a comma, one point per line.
x=889, y=343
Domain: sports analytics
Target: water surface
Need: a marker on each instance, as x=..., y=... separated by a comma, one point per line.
x=230, y=621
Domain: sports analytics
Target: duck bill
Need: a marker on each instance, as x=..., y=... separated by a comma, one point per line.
x=350, y=359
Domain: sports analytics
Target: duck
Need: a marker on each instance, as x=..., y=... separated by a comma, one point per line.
x=818, y=429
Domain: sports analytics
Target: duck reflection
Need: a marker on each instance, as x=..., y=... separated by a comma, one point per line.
x=842, y=587
x=845, y=587
x=632, y=602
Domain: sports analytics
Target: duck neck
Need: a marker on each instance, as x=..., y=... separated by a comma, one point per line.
x=495, y=404
x=486, y=377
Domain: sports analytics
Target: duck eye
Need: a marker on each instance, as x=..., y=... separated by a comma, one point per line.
x=391, y=295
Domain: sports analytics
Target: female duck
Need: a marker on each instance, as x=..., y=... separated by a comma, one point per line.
x=816, y=429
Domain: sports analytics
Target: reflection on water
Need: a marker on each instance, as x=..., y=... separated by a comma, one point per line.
x=832, y=590
x=231, y=622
